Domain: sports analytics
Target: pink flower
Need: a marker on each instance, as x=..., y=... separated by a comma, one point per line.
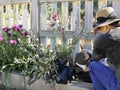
x=1, y=39
x=54, y=16
x=25, y=33
x=18, y=28
x=1, y=35
x=6, y=29
x=14, y=27
x=20, y=25
x=13, y=41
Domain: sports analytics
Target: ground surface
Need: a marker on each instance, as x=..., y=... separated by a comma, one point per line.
x=70, y=86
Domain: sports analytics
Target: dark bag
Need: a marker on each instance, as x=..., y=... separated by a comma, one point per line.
x=65, y=75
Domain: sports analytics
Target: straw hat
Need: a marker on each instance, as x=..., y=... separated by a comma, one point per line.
x=105, y=17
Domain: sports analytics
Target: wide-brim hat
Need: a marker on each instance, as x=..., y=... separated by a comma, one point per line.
x=105, y=17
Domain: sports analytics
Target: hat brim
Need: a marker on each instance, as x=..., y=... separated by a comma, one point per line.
x=109, y=21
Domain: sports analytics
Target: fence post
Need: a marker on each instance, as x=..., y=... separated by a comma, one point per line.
x=65, y=15
x=88, y=26
x=88, y=15
x=1, y=16
x=35, y=17
x=75, y=25
x=102, y=4
x=116, y=6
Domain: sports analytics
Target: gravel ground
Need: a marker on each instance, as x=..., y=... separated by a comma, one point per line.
x=6, y=88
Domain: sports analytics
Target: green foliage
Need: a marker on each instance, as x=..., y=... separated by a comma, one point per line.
x=21, y=53
x=13, y=45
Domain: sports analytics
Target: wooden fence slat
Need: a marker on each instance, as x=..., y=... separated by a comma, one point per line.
x=116, y=6
x=24, y=15
x=1, y=16
x=21, y=1
x=35, y=17
x=8, y=15
x=102, y=4
x=43, y=17
x=5, y=1
x=88, y=15
x=29, y=18
x=43, y=21
x=75, y=24
x=53, y=13
x=14, y=1
x=43, y=1
x=53, y=20
x=16, y=14
x=65, y=15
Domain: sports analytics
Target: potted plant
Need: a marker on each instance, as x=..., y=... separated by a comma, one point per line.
x=22, y=54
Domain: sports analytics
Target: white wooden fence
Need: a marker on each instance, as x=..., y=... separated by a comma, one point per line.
x=36, y=15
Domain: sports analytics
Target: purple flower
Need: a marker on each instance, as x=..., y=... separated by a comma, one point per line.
x=6, y=29
x=1, y=39
x=54, y=16
x=20, y=25
x=13, y=41
x=18, y=28
x=25, y=33
x=14, y=27
x=1, y=35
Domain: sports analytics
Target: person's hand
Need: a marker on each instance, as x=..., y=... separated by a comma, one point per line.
x=84, y=67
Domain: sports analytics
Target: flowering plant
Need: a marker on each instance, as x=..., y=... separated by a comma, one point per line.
x=22, y=53
x=13, y=43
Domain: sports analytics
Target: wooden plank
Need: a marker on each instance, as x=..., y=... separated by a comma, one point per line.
x=53, y=21
x=29, y=17
x=43, y=22
x=35, y=17
x=5, y=1
x=53, y=14
x=102, y=4
x=1, y=16
x=75, y=24
x=43, y=17
x=24, y=15
x=68, y=34
x=8, y=16
x=21, y=1
x=88, y=44
x=116, y=6
x=65, y=15
x=116, y=0
x=43, y=41
x=14, y=1
x=43, y=1
x=16, y=14
x=88, y=15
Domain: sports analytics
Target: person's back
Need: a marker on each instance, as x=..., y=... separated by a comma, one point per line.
x=107, y=44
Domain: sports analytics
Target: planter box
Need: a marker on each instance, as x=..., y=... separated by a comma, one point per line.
x=18, y=82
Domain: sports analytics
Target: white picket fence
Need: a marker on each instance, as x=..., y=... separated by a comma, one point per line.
x=36, y=15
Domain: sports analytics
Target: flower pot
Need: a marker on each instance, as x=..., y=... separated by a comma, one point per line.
x=18, y=82
x=13, y=80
